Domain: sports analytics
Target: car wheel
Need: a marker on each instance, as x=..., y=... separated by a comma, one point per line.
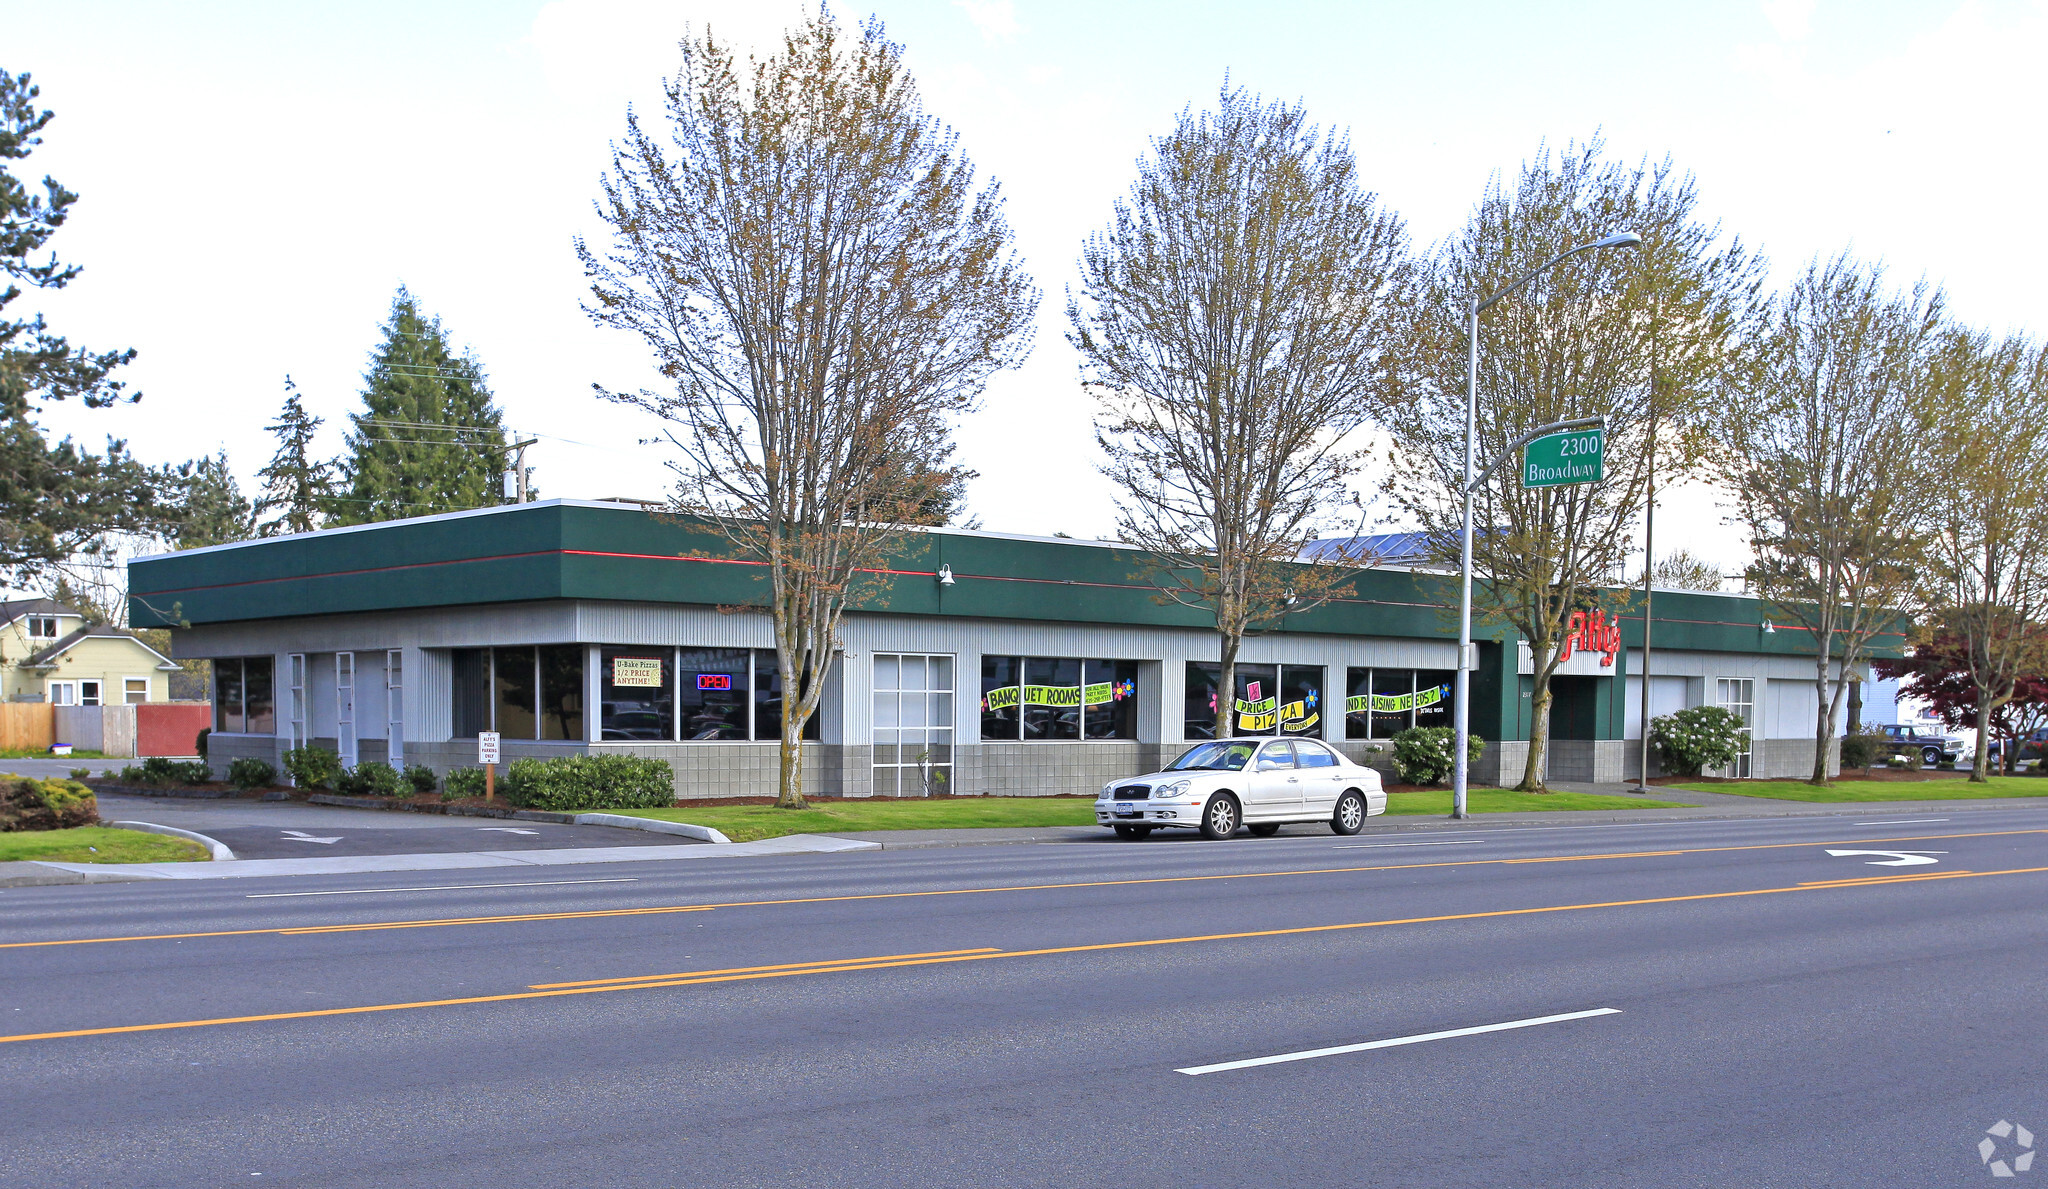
x=1220, y=816
x=1349, y=816
x=1133, y=831
x=1930, y=756
x=1264, y=829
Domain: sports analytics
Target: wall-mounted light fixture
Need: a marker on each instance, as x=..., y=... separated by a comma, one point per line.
x=1770, y=629
x=945, y=575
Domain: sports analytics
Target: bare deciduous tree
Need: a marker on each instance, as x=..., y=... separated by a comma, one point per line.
x=1683, y=570
x=1235, y=322
x=824, y=288
x=1829, y=462
x=1983, y=573
x=1650, y=338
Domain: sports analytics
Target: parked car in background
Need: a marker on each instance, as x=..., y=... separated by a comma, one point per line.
x=1903, y=739
x=1262, y=784
x=2032, y=747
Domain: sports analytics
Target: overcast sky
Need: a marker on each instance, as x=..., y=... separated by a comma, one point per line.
x=257, y=178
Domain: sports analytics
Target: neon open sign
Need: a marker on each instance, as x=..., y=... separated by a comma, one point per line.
x=714, y=681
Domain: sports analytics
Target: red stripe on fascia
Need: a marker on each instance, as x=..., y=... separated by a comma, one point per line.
x=411, y=565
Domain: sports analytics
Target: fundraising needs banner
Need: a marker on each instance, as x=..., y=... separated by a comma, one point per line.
x=1396, y=703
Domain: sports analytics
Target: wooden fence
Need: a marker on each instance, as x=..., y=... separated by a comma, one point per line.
x=30, y=726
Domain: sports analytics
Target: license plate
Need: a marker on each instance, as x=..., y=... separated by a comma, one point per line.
x=1129, y=811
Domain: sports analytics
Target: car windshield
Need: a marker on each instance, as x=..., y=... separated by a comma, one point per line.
x=1221, y=756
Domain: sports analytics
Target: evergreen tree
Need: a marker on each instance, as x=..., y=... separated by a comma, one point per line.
x=54, y=499
x=211, y=509
x=429, y=438
x=295, y=487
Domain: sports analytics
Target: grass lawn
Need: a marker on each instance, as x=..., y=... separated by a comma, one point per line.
x=43, y=753
x=1438, y=801
x=1882, y=790
x=746, y=823
x=97, y=844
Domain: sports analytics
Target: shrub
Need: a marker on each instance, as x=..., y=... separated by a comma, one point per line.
x=372, y=778
x=1905, y=761
x=590, y=782
x=30, y=804
x=1423, y=755
x=421, y=778
x=158, y=770
x=80, y=773
x=204, y=733
x=248, y=772
x=312, y=767
x=1696, y=738
x=1946, y=762
x=1861, y=749
x=462, y=782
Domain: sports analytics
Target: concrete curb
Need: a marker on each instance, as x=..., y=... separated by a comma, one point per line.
x=28, y=873
x=792, y=844
x=218, y=849
x=658, y=826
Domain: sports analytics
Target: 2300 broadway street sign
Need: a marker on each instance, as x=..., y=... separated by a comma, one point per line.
x=1558, y=459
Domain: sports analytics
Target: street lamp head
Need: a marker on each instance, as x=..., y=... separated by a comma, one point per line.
x=1620, y=239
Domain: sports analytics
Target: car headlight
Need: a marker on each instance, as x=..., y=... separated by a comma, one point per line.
x=1176, y=789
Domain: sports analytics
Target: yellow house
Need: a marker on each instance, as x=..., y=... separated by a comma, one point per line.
x=49, y=653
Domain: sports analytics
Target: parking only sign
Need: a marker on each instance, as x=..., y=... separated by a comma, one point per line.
x=487, y=747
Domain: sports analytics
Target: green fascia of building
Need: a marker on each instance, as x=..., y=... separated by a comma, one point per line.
x=572, y=550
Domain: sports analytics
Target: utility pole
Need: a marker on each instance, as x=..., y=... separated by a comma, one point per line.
x=519, y=465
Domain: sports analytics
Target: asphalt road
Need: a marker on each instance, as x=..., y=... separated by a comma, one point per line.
x=294, y=830
x=1020, y=1015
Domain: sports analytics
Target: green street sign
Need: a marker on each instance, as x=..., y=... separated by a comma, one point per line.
x=1560, y=459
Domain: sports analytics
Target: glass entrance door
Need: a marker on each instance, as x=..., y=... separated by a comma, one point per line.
x=913, y=725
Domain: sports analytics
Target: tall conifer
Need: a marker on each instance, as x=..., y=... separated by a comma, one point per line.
x=429, y=438
x=295, y=486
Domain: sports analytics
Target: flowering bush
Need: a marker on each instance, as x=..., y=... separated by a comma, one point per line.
x=1422, y=755
x=1696, y=738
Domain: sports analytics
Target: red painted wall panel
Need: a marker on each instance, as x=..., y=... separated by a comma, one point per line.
x=170, y=728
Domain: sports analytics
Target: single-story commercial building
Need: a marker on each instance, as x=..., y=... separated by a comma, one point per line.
x=979, y=663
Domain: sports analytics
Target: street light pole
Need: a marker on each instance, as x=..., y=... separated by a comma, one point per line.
x=1461, y=713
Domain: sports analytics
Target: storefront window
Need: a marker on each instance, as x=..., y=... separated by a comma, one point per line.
x=1301, y=700
x=1433, y=696
x=1045, y=698
x=512, y=681
x=1052, y=698
x=638, y=695
x=227, y=696
x=259, y=699
x=1109, y=699
x=1385, y=702
x=714, y=695
x=561, y=691
x=1198, y=714
x=471, y=678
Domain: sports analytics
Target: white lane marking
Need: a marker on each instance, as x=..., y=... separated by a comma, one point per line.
x=1893, y=858
x=446, y=887
x=509, y=830
x=302, y=836
x=1911, y=821
x=1371, y=846
x=1395, y=1042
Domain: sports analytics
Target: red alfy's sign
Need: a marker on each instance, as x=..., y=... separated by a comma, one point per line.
x=1592, y=631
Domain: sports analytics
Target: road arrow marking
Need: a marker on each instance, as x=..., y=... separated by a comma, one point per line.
x=1893, y=858
x=508, y=830
x=301, y=836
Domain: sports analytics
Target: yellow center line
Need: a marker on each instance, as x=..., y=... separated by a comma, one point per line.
x=794, y=970
x=828, y=962
x=305, y=930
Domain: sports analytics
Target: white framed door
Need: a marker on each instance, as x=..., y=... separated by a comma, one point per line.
x=394, y=705
x=295, y=686
x=913, y=724
x=1738, y=694
x=345, y=707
